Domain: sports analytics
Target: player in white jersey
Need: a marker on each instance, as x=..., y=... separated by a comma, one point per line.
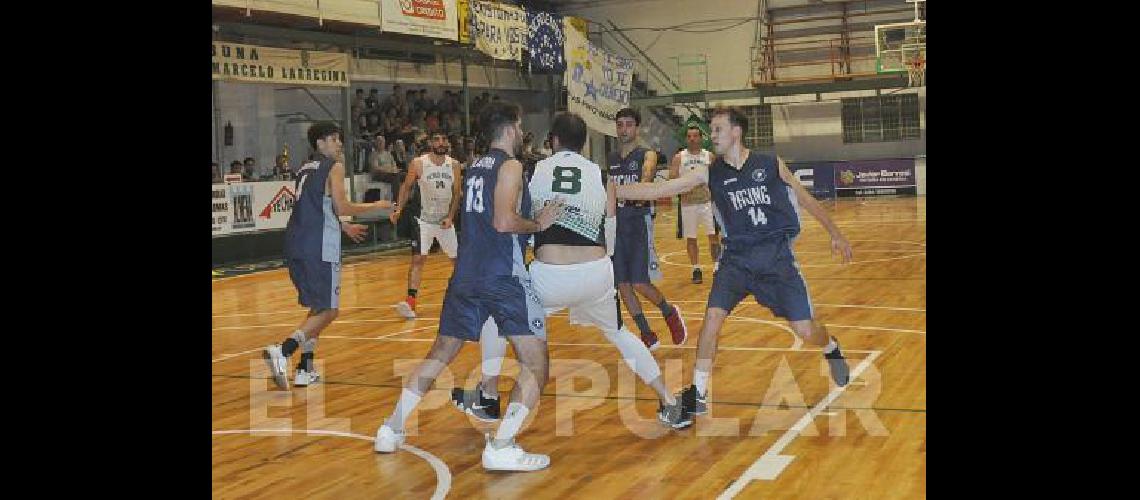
x=438, y=177
x=696, y=207
x=572, y=268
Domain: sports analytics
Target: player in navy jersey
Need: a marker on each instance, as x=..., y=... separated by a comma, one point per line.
x=312, y=250
x=490, y=280
x=757, y=202
x=635, y=259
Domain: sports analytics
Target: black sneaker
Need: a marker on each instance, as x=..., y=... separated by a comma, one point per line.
x=472, y=402
x=674, y=415
x=840, y=372
x=697, y=276
x=697, y=402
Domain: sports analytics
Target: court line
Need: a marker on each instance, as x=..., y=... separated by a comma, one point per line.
x=442, y=473
x=228, y=356
x=769, y=465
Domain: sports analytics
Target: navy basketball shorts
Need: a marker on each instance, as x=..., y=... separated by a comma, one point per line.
x=635, y=258
x=770, y=273
x=317, y=282
x=510, y=300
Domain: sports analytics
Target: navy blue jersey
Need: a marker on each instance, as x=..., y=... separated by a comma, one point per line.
x=628, y=170
x=484, y=251
x=753, y=204
x=313, y=230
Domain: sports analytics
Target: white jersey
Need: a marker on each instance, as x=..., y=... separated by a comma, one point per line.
x=435, y=189
x=579, y=182
x=695, y=163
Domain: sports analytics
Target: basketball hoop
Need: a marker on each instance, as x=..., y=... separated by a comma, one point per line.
x=916, y=70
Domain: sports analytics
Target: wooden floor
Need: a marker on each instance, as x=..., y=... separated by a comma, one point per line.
x=865, y=441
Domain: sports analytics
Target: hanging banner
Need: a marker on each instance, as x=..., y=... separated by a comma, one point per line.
x=255, y=64
x=464, y=10
x=430, y=18
x=499, y=30
x=597, y=82
x=545, y=42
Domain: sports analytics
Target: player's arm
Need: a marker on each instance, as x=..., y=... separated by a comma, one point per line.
x=406, y=189
x=507, y=191
x=649, y=167
x=610, y=223
x=456, y=192
x=838, y=242
x=675, y=166
x=343, y=206
x=657, y=190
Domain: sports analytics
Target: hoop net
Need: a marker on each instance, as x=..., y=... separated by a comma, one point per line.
x=916, y=70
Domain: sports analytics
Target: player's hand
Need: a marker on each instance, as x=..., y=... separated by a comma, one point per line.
x=355, y=232
x=382, y=204
x=446, y=223
x=840, y=245
x=394, y=216
x=550, y=213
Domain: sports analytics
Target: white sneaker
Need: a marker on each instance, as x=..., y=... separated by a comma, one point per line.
x=305, y=377
x=513, y=458
x=405, y=310
x=387, y=440
x=278, y=365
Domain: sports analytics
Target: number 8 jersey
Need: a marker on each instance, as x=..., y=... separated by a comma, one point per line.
x=579, y=182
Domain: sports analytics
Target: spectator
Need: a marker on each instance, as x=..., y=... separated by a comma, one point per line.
x=400, y=154
x=235, y=167
x=419, y=120
x=374, y=125
x=432, y=122
x=250, y=172
x=373, y=100
x=381, y=159
x=454, y=124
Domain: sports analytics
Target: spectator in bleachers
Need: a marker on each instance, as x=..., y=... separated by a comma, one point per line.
x=432, y=122
x=419, y=120
x=250, y=171
x=400, y=154
x=373, y=100
x=236, y=167
x=381, y=159
x=358, y=106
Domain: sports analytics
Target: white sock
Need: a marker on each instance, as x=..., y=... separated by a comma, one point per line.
x=407, y=403
x=635, y=354
x=493, y=349
x=701, y=380
x=512, y=422
x=831, y=346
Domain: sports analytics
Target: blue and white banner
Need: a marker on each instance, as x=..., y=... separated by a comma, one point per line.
x=597, y=82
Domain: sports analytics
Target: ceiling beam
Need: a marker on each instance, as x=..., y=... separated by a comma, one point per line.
x=893, y=81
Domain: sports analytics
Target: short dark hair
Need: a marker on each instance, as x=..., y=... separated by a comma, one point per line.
x=629, y=113
x=322, y=131
x=359, y=91
x=736, y=117
x=235, y=163
x=570, y=129
x=249, y=159
x=496, y=116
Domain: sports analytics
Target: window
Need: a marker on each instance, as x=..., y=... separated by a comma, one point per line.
x=880, y=118
x=759, y=134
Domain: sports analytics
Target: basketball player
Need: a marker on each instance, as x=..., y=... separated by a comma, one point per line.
x=437, y=175
x=635, y=259
x=695, y=205
x=312, y=250
x=490, y=280
x=756, y=199
x=572, y=268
